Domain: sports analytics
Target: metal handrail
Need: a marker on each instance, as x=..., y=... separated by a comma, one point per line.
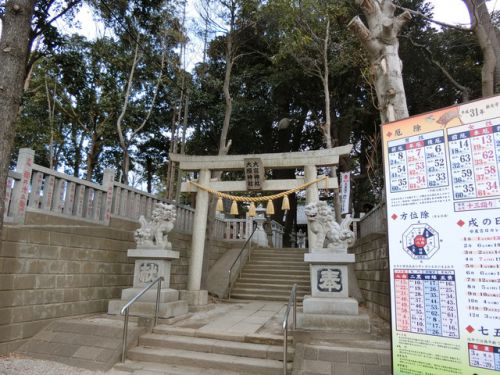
x=126, y=308
x=292, y=300
x=238, y=257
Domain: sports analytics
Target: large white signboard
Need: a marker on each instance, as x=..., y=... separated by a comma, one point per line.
x=443, y=210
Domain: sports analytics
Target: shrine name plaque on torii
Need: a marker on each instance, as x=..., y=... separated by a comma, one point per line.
x=308, y=160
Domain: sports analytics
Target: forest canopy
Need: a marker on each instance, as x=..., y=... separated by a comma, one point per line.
x=273, y=76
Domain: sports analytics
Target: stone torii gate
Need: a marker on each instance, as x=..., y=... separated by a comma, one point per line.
x=308, y=160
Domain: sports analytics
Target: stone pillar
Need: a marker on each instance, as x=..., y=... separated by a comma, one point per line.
x=312, y=195
x=24, y=166
x=108, y=182
x=195, y=296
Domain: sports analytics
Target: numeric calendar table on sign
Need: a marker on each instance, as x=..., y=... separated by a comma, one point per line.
x=426, y=302
x=474, y=158
x=417, y=162
x=484, y=356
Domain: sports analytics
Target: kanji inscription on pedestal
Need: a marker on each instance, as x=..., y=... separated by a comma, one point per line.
x=330, y=280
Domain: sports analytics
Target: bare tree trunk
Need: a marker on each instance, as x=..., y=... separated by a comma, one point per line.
x=326, y=128
x=486, y=34
x=224, y=144
x=380, y=40
x=14, y=50
x=92, y=156
x=51, y=116
x=121, y=136
x=171, y=166
x=183, y=146
x=124, y=142
x=149, y=174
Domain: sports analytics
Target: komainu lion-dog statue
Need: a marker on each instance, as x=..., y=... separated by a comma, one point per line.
x=329, y=233
x=154, y=233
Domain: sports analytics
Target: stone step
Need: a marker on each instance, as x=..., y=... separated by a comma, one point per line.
x=165, y=310
x=151, y=368
x=268, y=277
x=267, y=338
x=340, y=323
x=277, y=256
x=206, y=360
x=266, y=292
x=206, y=345
x=277, y=262
x=270, y=269
x=282, y=249
x=280, y=258
x=285, y=285
x=261, y=297
x=278, y=253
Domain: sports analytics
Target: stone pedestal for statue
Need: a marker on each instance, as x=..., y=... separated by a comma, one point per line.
x=153, y=259
x=329, y=306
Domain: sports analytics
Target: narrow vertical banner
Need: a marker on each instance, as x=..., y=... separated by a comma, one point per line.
x=442, y=183
x=345, y=191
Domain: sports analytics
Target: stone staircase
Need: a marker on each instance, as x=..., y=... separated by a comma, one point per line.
x=175, y=351
x=270, y=275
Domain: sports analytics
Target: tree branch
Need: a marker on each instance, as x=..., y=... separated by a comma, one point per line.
x=70, y=5
x=444, y=24
x=157, y=88
x=368, y=6
x=463, y=89
x=365, y=36
x=127, y=95
x=401, y=20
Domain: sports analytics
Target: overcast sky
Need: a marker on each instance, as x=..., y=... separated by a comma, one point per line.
x=453, y=11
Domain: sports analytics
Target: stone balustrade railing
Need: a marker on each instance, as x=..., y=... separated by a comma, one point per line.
x=38, y=189
x=35, y=188
x=374, y=221
x=240, y=230
x=130, y=203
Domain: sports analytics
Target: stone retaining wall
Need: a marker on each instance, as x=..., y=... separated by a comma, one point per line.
x=372, y=272
x=54, y=271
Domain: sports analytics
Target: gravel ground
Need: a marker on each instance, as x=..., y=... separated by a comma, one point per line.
x=16, y=365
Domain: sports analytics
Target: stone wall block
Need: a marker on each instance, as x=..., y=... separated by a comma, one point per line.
x=73, y=294
x=24, y=282
x=96, y=280
x=56, y=266
x=6, y=281
x=69, y=253
x=59, y=239
x=11, y=265
x=49, y=252
x=368, y=358
x=72, y=267
x=6, y=315
x=88, y=267
x=63, y=309
x=16, y=235
x=38, y=236
x=10, y=249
